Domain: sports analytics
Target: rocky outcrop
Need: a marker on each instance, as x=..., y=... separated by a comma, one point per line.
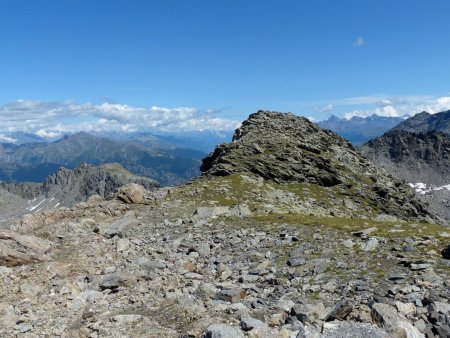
x=290, y=149
x=73, y=186
x=281, y=147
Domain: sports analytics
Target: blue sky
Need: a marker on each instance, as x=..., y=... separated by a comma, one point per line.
x=209, y=64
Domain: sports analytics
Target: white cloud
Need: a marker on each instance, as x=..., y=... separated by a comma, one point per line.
x=53, y=118
x=324, y=109
x=400, y=106
x=358, y=42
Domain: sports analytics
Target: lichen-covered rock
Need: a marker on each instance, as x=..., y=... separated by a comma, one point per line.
x=352, y=330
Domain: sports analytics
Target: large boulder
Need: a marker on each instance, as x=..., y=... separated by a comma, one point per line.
x=395, y=324
x=222, y=331
x=132, y=193
x=16, y=249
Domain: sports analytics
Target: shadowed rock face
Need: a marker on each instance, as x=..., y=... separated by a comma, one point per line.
x=289, y=149
x=416, y=157
x=412, y=157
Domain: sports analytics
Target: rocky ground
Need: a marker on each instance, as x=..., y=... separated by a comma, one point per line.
x=438, y=201
x=172, y=268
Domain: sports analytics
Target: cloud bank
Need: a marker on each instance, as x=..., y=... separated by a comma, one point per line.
x=50, y=119
x=395, y=106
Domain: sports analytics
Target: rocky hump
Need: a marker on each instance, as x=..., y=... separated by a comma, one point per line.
x=281, y=147
x=286, y=148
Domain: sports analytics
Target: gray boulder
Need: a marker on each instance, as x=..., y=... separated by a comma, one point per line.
x=223, y=331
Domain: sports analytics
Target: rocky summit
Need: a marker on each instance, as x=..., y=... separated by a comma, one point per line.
x=285, y=148
x=262, y=245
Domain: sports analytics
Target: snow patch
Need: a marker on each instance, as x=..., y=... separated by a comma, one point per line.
x=423, y=189
x=34, y=207
x=8, y=139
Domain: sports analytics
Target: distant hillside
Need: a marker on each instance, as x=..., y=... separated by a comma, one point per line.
x=359, y=130
x=202, y=141
x=35, y=161
x=425, y=122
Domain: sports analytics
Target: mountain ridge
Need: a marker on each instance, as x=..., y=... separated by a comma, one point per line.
x=425, y=122
x=35, y=161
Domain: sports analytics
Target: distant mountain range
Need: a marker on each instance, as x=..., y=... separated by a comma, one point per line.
x=142, y=155
x=20, y=137
x=203, y=141
x=359, y=130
